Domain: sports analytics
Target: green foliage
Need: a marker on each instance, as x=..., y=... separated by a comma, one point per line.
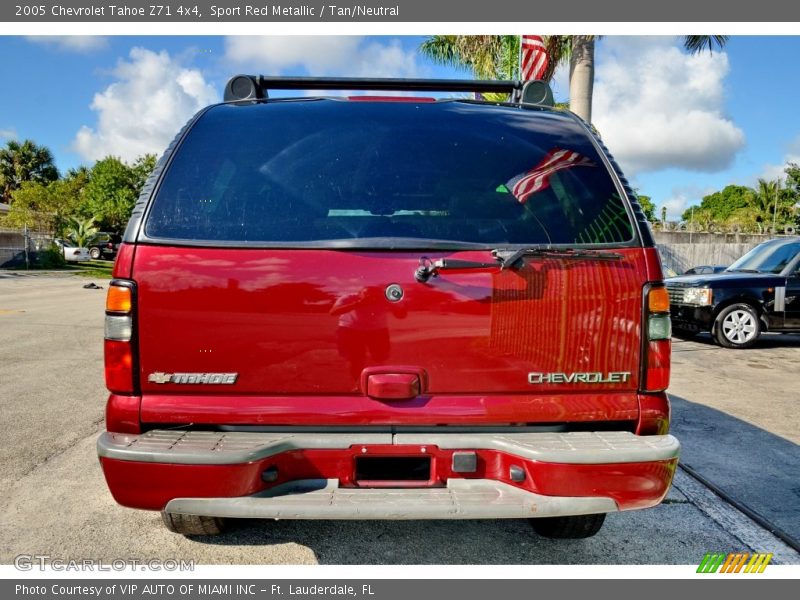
x=48, y=207
x=22, y=162
x=113, y=188
x=51, y=258
x=648, y=207
x=720, y=205
x=750, y=210
x=81, y=231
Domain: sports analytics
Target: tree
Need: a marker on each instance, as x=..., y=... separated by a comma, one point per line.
x=48, y=207
x=24, y=161
x=497, y=56
x=81, y=231
x=648, y=207
x=721, y=205
x=113, y=188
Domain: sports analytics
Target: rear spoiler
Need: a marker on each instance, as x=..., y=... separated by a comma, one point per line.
x=256, y=87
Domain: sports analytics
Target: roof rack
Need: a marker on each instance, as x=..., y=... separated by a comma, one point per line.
x=256, y=87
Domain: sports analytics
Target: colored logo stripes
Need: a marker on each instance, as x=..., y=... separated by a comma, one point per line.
x=734, y=562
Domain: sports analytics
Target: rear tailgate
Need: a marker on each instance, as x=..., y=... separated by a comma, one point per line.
x=300, y=327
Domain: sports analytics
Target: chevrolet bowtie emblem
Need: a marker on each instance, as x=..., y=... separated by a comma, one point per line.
x=159, y=377
x=193, y=378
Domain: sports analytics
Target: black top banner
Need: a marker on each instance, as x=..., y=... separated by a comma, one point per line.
x=234, y=11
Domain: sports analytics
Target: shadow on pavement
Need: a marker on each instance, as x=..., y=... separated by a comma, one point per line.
x=755, y=467
x=767, y=340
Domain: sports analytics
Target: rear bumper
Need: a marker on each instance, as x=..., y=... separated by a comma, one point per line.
x=313, y=475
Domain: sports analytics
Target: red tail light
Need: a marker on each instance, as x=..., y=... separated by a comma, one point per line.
x=657, y=347
x=119, y=338
x=658, y=365
x=119, y=367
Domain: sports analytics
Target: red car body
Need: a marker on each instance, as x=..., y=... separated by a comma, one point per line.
x=557, y=348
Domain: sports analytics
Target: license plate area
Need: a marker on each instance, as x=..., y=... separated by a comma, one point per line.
x=380, y=471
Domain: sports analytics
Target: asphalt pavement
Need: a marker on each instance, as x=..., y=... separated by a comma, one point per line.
x=55, y=501
x=736, y=414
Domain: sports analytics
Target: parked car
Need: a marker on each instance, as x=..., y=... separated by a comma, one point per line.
x=387, y=308
x=705, y=270
x=104, y=245
x=757, y=293
x=72, y=253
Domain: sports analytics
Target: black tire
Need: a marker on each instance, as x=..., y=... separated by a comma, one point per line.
x=192, y=524
x=737, y=326
x=94, y=253
x=568, y=528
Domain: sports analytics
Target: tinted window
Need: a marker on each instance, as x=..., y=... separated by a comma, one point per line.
x=767, y=258
x=312, y=170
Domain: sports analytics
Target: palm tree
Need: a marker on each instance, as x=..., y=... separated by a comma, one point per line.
x=25, y=161
x=765, y=200
x=81, y=231
x=496, y=57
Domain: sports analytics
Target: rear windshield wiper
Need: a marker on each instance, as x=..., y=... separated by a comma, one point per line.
x=506, y=258
x=509, y=257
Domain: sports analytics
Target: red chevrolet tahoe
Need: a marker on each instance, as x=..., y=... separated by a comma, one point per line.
x=394, y=307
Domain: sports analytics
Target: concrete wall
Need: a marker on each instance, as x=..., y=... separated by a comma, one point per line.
x=681, y=250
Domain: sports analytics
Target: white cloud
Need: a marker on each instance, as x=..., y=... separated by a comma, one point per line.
x=141, y=112
x=658, y=107
x=82, y=44
x=776, y=171
x=681, y=198
x=322, y=55
x=8, y=134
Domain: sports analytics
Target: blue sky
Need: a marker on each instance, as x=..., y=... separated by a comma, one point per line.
x=681, y=126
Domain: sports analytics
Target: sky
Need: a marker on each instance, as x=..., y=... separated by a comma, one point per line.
x=681, y=126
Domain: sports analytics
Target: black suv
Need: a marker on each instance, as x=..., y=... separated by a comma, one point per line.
x=759, y=292
x=104, y=245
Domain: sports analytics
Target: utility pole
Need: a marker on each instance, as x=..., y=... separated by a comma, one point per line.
x=25, y=240
x=775, y=210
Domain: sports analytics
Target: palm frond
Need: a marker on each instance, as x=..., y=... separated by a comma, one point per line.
x=696, y=44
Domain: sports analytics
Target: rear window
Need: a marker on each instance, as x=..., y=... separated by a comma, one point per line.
x=320, y=170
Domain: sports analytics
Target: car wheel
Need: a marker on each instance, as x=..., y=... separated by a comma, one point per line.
x=737, y=326
x=94, y=253
x=568, y=528
x=192, y=524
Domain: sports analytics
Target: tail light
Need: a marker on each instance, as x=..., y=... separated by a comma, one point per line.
x=119, y=337
x=657, y=345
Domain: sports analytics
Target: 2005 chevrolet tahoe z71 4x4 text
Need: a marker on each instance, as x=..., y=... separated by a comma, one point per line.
x=395, y=307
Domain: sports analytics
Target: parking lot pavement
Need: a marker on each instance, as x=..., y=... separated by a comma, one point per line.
x=736, y=414
x=55, y=501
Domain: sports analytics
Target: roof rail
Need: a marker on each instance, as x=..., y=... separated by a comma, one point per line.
x=254, y=87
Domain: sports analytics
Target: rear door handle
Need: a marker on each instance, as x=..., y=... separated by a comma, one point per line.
x=393, y=386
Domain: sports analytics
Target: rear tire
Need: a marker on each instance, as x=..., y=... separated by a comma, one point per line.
x=737, y=326
x=568, y=528
x=94, y=253
x=192, y=524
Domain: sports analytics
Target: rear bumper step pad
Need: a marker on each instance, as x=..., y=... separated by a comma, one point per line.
x=461, y=499
x=225, y=448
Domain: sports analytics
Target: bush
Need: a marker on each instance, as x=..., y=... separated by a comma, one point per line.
x=51, y=258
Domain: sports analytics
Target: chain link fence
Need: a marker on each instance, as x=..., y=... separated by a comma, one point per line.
x=22, y=249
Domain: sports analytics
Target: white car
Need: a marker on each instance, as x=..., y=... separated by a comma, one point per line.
x=72, y=253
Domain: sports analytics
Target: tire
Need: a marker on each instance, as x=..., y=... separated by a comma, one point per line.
x=94, y=253
x=737, y=326
x=568, y=528
x=192, y=524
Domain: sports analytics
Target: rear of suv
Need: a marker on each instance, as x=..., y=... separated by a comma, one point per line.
x=396, y=307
